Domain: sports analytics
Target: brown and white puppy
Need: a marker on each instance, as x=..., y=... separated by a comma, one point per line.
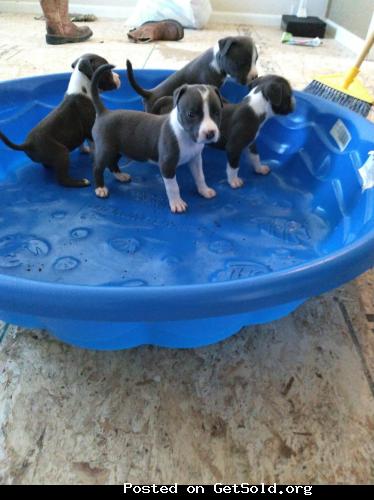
x=233, y=56
x=68, y=125
x=269, y=95
x=169, y=140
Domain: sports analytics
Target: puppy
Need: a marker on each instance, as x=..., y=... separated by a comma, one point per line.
x=233, y=56
x=169, y=140
x=269, y=95
x=68, y=125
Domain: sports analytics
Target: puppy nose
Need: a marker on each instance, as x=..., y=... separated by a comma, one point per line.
x=210, y=134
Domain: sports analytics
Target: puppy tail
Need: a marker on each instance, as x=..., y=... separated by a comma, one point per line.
x=134, y=84
x=97, y=102
x=10, y=144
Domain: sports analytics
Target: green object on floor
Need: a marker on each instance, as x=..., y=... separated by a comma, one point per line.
x=288, y=39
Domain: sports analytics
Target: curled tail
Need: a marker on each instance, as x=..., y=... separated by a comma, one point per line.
x=97, y=102
x=138, y=89
x=10, y=144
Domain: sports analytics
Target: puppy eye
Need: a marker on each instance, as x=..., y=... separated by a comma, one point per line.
x=191, y=114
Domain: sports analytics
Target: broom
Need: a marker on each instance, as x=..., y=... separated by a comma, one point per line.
x=345, y=88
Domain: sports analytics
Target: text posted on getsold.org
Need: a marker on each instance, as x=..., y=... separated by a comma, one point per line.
x=219, y=488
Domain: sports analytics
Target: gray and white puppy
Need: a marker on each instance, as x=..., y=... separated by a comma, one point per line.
x=269, y=95
x=68, y=125
x=168, y=140
x=233, y=56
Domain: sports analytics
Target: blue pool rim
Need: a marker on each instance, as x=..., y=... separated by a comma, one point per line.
x=152, y=304
x=194, y=301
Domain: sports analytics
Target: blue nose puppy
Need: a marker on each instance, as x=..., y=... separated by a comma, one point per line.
x=234, y=56
x=70, y=124
x=168, y=140
x=269, y=95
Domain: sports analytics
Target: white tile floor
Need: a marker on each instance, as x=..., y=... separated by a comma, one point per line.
x=291, y=401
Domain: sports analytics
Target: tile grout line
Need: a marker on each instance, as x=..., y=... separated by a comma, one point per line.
x=4, y=331
x=149, y=55
x=357, y=345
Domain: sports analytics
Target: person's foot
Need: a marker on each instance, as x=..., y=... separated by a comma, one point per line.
x=66, y=33
x=59, y=27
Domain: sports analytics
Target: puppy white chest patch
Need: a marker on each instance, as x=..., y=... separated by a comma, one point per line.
x=259, y=104
x=253, y=73
x=188, y=149
x=213, y=64
x=79, y=83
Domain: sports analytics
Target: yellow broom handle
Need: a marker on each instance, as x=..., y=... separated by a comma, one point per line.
x=353, y=72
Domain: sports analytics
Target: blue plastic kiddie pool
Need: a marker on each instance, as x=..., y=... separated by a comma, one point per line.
x=124, y=271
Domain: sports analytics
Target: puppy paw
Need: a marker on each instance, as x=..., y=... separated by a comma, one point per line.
x=116, y=79
x=85, y=149
x=178, y=206
x=207, y=192
x=263, y=170
x=122, y=177
x=236, y=183
x=85, y=182
x=102, y=192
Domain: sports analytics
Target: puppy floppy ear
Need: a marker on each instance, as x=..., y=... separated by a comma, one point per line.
x=275, y=94
x=251, y=85
x=75, y=63
x=216, y=90
x=178, y=94
x=85, y=67
x=225, y=44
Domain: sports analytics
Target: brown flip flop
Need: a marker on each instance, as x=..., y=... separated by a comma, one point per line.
x=150, y=31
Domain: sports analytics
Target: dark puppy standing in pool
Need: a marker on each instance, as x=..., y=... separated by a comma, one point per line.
x=68, y=125
x=233, y=56
x=169, y=140
x=269, y=95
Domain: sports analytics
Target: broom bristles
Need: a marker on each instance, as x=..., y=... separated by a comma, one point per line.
x=322, y=90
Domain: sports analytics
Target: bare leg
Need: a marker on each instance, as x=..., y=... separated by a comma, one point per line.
x=196, y=166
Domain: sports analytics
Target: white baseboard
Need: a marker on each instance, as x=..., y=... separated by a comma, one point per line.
x=343, y=36
x=346, y=38
x=225, y=17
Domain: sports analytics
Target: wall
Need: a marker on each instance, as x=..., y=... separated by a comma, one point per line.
x=354, y=16
x=272, y=7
